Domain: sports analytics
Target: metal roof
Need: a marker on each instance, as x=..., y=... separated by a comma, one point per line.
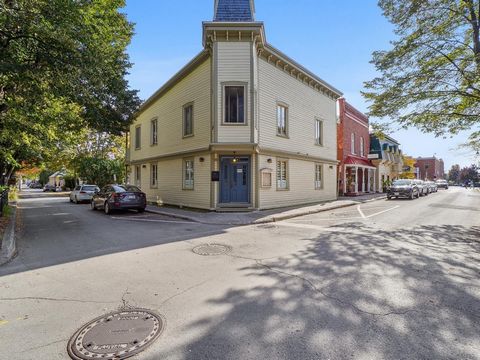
x=234, y=10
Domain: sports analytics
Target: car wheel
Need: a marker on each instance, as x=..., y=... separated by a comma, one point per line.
x=411, y=196
x=141, y=210
x=76, y=200
x=418, y=194
x=389, y=197
x=92, y=205
x=106, y=208
x=71, y=200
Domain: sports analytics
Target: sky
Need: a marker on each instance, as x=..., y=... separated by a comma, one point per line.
x=335, y=42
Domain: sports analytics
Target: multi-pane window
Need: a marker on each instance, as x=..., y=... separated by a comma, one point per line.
x=234, y=104
x=318, y=132
x=153, y=175
x=188, y=174
x=352, y=143
x=282, y=118
x=282, y=176
x=362, y=147
x=318, y=176
x=138, y=175
x=138, y=140
x=188, y=120
x=154, y=132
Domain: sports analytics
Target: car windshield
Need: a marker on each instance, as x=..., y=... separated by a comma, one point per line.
x=402, y=182
x=89, y=188
x=124, y=188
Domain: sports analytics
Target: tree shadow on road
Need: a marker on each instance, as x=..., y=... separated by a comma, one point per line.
x=355, y=292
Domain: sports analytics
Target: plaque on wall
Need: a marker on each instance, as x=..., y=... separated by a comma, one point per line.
x=215, y=175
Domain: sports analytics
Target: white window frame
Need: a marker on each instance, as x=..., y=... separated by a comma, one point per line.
x=154, y=131
x=188, y=170
x=352, y=143
x=282, y=175
x=224, y=103
x=362, y=146
x=153, y=176
x=318, y=132
x=184, y=120
x=138, y=137
x=319, y=176
x=282, y=131
x=138, y=175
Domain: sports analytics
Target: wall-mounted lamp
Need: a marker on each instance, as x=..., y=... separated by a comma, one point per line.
x=201, y=159
x=235, y=159
x=144, y=166
x=269, y=161
x=331, y=167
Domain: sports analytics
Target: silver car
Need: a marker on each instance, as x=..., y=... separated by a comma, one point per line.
x=83, y=193
x=423, y=187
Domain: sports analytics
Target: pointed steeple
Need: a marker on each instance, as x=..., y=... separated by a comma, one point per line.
x=234, y=11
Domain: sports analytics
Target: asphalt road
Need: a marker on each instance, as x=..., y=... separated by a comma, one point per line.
x=395, y=279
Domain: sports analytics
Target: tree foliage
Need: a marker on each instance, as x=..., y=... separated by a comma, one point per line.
x=430, y=78
x=100, y=171
x=62, y=69
x=454, y=173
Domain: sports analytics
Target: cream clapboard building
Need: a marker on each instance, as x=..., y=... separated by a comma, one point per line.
x=242, y=126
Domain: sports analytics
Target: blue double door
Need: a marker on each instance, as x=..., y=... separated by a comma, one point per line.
x=234, y=180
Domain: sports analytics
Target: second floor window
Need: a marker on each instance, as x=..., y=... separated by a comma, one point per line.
x=362, y=147
x=154, y=132
x=282, y=118
x=138, y=134
x=318, y=132
x=234, y=104
x=188, y=120
x=352, y=143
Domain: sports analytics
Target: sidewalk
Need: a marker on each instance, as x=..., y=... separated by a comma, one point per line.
x=260, y=217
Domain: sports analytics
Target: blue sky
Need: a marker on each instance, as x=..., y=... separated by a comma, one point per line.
x=334, y=40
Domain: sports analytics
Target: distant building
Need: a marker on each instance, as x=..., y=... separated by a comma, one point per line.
x=409, y=169
x=356, y=174
x=386, y=155
x=430, y=168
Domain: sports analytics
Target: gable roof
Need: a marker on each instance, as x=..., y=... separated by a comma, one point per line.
x=234, y=10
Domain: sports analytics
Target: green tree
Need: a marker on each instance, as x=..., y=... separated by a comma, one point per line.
x=62, y=68
x=100, y=171
x=430, y=77
x=454, y=173
x=469, y=174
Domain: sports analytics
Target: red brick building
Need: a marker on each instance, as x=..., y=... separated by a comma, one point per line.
x=430, y=168
x=356, y=174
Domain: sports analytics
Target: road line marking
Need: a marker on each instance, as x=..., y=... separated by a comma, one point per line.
x=384, y=211
x=3, y=322
x=148, y=220
x=301, y=226
x=361, y=212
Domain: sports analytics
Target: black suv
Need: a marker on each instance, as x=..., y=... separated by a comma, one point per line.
x=403, y=188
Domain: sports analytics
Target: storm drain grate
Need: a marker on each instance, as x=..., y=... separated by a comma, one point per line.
x=211, y=249
x=116, y=336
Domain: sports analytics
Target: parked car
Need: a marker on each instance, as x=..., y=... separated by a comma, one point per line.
x=83, y=193
x=403, y=188
x=49, y=187
x=35, y=185
x=119, y=197
x=422, y=187
x=442, y=184
x=432, y=186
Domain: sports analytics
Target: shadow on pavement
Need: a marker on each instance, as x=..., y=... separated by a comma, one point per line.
x=355, y=292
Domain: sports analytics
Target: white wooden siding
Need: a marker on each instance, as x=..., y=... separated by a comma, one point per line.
x=169, y=110
x=233, y=65
x=301, y=184
x=304, y=105
x=170, y=181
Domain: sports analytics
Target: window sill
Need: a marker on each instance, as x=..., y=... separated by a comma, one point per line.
x=187, y=136
x=234, y=124
x=188, y=189
x=283, y=136
x=287, y=189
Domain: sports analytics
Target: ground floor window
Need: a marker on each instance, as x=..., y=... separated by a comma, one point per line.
x=138, y=175
x=282, y=174
x=153, y=175
x=188, y=174
x=318, y=176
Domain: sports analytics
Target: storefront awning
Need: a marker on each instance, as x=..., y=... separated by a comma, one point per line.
x=355, y=161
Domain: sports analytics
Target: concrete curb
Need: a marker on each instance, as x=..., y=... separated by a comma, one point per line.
x=9, y=248
x=270, y=219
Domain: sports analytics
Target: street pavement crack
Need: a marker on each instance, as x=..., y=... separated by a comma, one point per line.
x=57, y=299
x=183, y=292
x=45, y=345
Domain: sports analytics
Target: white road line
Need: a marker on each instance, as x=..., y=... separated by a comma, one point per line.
x=361, y=212
x=301, y=226
x=384, y=211
x=148, y=220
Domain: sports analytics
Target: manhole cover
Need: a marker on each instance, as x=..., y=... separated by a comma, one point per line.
x=116, y=336
x=211, y=249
